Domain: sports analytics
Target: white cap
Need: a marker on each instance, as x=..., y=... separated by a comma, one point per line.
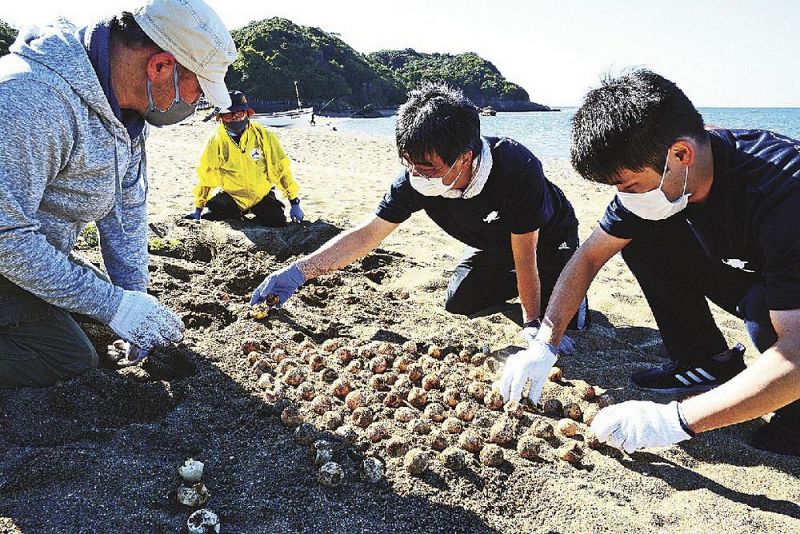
x=192, y=32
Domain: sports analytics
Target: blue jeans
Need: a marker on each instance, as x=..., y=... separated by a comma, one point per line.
x=40, y=344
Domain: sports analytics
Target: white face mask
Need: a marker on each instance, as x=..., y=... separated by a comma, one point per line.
x=433, y=187
x=654, y=205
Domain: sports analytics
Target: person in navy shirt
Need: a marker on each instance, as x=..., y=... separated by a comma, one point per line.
x=700, y=214
x=489, y=193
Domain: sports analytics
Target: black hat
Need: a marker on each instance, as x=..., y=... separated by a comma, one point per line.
x=238, y=102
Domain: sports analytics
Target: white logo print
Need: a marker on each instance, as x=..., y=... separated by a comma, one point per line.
x=493, y=216
x=563, y=246
x=255, y=154
x=737, y=264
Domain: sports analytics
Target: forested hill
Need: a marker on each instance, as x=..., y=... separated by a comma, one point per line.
x=480, y=80
x=275, y=52
x=7, y=36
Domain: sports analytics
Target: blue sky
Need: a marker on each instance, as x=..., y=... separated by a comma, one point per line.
x=722, y=53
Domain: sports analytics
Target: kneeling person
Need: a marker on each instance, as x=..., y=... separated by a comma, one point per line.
x=489, y=193
x=699, y=214
x=246, y=161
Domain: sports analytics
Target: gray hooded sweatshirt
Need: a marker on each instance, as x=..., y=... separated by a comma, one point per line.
x=66, y=160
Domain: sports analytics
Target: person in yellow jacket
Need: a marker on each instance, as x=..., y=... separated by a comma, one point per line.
x=245, y=161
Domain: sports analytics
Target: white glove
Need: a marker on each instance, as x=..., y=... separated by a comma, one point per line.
x=142, y=321
x=636, y=425
x=531, y=329
x=532, y=364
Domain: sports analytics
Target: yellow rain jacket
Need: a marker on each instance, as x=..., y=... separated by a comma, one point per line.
x=247, y=171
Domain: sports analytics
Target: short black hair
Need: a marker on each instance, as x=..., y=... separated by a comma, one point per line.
x=127, y=32
x=437, y=118
x=630, y=122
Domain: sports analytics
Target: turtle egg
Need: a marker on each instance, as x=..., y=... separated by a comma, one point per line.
x=435, y=412
x=452, y=397
x=430, y=382
x=567, y=427
x=451, y=425
x=492, y=455
x=371, y=470
x=417, y=397
x=494, y=400
x=194, y=496
x=415, y=372
x=378, y=365
x=553, y=408
x=362, y=417
x=502, y=431
x=355, y=399
x=396, y=447
x=453, y=458
x=330, y=475
x=191, y=471
x=405, y=414
x=470, y=441
x=528, y=447
x=466, y=410
x=332, y=420
x=203, y=522
x=416, y=461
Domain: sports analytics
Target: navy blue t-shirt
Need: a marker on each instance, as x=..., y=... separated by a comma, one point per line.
x=751, y=218
x=517, y=198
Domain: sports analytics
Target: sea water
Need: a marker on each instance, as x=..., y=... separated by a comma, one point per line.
x=547, y=133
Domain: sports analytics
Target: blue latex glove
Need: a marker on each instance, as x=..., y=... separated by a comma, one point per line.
x=531, y=328
x=194, y=214
x=282, y=283
x=295, y=213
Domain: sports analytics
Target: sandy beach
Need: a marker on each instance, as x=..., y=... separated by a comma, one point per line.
x=100, y=453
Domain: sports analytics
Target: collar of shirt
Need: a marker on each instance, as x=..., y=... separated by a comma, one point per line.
x=481, y=167
x=97, y=41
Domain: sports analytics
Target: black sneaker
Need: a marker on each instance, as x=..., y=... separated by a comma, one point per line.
x=779, y=436
x=681, y=377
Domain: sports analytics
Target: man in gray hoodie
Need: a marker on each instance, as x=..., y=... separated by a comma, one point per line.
x=74, y=104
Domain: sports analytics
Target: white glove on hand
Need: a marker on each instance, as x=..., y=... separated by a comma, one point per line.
x=636, y=425
x=531, y=329
x=142, y=321
x=532, y=364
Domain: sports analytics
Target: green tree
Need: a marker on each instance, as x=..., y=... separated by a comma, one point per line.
x=275, y=52
x=7, y=36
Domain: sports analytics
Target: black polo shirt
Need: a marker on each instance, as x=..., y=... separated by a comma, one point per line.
x=751, y=218
x=516, y=199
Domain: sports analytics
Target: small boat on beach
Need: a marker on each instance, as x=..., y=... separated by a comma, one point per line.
x=488, y=111
x=286, y=119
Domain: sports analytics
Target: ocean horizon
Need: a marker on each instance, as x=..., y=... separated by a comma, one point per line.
x=546, y=134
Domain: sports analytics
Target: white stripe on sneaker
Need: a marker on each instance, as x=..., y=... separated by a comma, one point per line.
x=706, y=374
x=694, y=377
x=683, y=380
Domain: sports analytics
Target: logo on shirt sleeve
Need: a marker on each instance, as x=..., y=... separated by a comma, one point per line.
x=737, y=264
x=491, y=217
x=256, y=154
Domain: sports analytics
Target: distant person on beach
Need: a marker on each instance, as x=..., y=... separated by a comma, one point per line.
x=245, y=161
x=488, y=192
x=700, y=213
x=74, y=104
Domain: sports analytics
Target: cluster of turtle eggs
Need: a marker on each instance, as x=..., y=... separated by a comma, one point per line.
x=193, y=493
x=395, y=404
